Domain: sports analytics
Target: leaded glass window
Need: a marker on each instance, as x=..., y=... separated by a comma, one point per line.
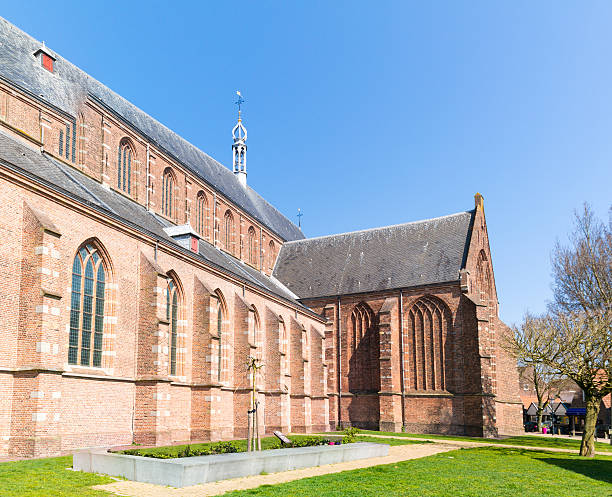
x=172, y=317
x=220, y=333
x=124, y=167
x=201, y=214
x=229, y=231
x=167, y=193
x=87, y=308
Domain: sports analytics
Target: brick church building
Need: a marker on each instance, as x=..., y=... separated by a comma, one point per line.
x=138, y=275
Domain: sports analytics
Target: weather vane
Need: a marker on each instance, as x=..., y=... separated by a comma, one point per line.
x=299, y=215
x=240, y=100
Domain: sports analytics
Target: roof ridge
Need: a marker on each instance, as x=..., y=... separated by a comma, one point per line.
x=379, y=228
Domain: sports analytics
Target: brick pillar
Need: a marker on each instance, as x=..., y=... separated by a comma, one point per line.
x=486, y=350
x=152, y=410
x=206, y=389
x=36, y=386
x=298, y=418
x=318, y=390
x=390, y=396
x=274, y=387
x=331, y=357
x=241, y=351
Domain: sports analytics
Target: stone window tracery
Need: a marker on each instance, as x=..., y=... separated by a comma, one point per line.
x=125, y=158
x=168, y=183
x=427, y=326
x=87, y=306
x=172, y=316
x=363, y=358
x=228, y=234
x=201, y=215
x=251, y=249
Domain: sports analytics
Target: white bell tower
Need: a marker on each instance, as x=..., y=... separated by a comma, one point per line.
x=239, y=148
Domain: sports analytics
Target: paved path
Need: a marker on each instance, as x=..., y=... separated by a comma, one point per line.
x=396, y=454
x=467, y=443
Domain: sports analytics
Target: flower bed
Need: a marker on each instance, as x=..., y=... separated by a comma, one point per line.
x=229, y=447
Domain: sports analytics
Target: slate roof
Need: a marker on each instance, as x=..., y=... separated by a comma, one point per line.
x=19, y=157
x=68, y=87
x=401, y=256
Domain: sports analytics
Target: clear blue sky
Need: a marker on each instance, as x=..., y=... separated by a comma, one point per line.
x=373, y=113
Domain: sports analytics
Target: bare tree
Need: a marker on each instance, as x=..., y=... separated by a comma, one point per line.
x=575, y=338
x=582, y=314
x=525, y=344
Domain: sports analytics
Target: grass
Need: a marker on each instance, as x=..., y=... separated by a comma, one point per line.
x=526, y=440
x=486, y=471
x=48, y=478
x=483, y=471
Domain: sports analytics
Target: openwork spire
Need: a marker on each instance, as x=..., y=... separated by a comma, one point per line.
x=239, y=148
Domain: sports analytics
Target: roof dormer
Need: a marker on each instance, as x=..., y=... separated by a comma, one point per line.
x=46, y=57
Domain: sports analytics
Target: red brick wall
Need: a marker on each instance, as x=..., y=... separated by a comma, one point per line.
x=56, y=406
x=442, y=365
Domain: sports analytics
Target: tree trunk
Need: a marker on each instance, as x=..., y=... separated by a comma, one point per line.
x=587, y=446
x=540, y=415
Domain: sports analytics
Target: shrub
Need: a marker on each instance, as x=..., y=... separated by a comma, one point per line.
x=350, y=433
x=224, y=448
x=308, y=442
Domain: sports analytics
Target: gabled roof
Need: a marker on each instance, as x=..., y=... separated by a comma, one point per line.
x=68, y=87
x=401, y=256
x=19, y=157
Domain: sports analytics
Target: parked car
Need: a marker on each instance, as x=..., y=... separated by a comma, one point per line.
x=531, y=426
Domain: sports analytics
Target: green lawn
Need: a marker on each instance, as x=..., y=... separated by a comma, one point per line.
x=487, y=471
x=557, y=441
x=48, y=478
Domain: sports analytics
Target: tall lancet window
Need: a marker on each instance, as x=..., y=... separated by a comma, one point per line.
x=87, y=308
x=201, y=214
x=224, y=339
x=271, y=255
x=229, y=232
x=168, y=183
x=251, y=250
x=125, y=157
x=172, y=307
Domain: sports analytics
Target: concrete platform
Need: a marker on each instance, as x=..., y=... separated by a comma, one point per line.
x=183, y=472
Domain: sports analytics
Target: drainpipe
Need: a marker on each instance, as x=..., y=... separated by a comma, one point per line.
x=148, y=180
x=339, y=347
x=401, y=355
x=214, y=226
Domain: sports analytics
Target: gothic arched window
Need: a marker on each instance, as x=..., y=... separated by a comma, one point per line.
x=222, y=351
x=125, y=156
x=364, y=345
x=168, y=183
x=283, y=341
x=271, y=255
x=87, y=307
x=228, y=234
x=201, y=214
x=172, y=316
x=428, y=324
x=483, y=277
x=251, y=249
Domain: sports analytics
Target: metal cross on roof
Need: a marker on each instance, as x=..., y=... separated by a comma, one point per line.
x=299, y=215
